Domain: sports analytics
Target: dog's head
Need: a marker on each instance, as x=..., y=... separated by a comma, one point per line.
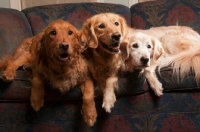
x=59, y=42
x=142, y=49
x=106, y=31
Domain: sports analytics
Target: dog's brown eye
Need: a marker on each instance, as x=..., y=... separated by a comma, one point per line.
x=149, y=46
x=53, y=32
x=135, y=45
x=70, y=32
x=101, y=26
x=117, y=23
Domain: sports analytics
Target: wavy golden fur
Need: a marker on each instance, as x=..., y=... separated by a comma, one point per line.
x=104, y=33
x=178, y=45
x=21, y=57
x=55, y=57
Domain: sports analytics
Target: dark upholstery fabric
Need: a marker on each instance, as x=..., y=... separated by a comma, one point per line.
x=14, y=28
x=75, y=13
x=165, y=12
x=137, y=109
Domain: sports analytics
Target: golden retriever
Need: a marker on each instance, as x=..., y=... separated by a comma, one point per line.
x=144, y=52
x=54, y=57
x=21, y=57
x=103, y=34
x=178, y=45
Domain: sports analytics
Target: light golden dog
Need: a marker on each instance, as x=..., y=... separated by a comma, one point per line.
x=104, y=33
x=161, y=46
x=144, y=52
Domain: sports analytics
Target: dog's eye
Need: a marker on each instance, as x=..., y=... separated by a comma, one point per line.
x=53, y=32
x=117, y=23
x=149, y=46
x=70, y=32
x=135, y=45
x=101, y=26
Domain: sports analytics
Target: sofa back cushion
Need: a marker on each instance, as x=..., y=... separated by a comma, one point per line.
x=75, y=13
x=166, y=12
x=14, y=28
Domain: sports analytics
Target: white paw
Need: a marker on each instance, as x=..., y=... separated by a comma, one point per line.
x=108, y=103
x=158, y=91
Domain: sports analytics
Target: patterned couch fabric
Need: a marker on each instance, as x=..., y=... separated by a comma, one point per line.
x=75, y=13
x=39, y=18
x=14, y=28
x=174, y=112
x=166, y=12
x=137, y=108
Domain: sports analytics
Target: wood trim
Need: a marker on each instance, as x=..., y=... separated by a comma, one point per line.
x=15, y=4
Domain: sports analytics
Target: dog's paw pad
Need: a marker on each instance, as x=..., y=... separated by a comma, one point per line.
x=90, y=122
x=108, y=104
x=9, y=76
x=159, y=92
x=89, y=114
x=37, y=104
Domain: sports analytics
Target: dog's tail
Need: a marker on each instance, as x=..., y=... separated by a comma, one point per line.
x=183, y=63
x=5, y=61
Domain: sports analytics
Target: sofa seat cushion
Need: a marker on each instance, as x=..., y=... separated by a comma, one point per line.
x=172, y=82
x=20, y=88
x=129, y=84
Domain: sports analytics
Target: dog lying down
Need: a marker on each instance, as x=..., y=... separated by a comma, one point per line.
x=21, y=57
x=54, y=57
x=57, y=60
x=162, y=46
x=104, y=34
x=144, y=52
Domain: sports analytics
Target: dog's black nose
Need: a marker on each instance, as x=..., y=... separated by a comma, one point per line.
x=64, y=46
x=116, y=36
x=144, y=60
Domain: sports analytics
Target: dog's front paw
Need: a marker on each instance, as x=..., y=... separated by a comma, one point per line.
x=9, y=75
x=37, y=103
x=108, y=103
x=158, y=91
x=89, y=113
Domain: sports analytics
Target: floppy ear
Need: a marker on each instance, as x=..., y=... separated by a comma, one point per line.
x=88, y=35
x=36, y=42
x=124, y=51
x=125, y=29
x=37, y=47
x=158, y=50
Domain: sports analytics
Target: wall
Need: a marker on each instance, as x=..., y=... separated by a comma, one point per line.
x=5, y=3
x=123, y=2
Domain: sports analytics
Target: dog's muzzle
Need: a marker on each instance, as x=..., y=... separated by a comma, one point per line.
x=115, y=46
x=144, y=61
x=63, y=52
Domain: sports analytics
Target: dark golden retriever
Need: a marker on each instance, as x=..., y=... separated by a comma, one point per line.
x=57, y=60
x=104, y=33
x=55, y=57
x=21, y=57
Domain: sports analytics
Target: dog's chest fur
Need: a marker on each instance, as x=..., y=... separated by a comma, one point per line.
x=104, y=66
x=65, y=77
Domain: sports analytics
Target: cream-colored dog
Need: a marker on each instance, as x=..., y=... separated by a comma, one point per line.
x=161, y=46
x=144, y=52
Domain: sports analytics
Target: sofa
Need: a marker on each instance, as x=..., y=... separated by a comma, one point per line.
x=137, y=109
